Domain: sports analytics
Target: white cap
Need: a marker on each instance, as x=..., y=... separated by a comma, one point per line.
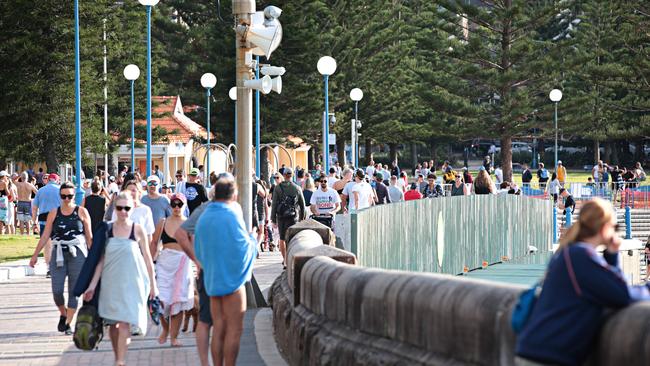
x=153, y=178
x=559, y=161
x=3, y=173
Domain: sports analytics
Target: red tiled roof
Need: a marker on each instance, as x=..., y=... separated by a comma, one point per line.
x=166, y=115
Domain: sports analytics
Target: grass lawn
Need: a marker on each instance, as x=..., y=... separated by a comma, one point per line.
x=14, y=247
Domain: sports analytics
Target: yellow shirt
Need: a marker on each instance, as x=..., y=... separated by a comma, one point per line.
x=561, y=174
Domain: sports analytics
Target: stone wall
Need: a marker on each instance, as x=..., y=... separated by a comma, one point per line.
x=327, y=311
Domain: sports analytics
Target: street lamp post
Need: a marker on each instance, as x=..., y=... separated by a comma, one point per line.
x=208, y=81
x=356, y=95
x=326, y=66
x=257, y=120
x=77, y=91
x=233, y=96
x=149, y=4
x=555, y=95
x=132, y=73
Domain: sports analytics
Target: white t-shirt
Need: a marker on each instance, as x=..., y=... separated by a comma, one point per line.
x=370, y=170
x=113, y=188
x=401, y=184
x=498, y=173
x=347, y=188
x=365, y=194
x=595, y=171
x=325, y=201
x=331, y=181
x=141, y=215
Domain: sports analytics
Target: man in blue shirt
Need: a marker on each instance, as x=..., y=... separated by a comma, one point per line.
x=46, y=200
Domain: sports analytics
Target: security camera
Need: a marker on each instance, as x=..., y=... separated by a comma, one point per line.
x=272, y=12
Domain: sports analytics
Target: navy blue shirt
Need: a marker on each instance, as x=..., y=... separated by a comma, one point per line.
x=564, y=324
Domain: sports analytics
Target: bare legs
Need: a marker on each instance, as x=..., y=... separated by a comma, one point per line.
x=172, y=328
x=120, y=334
x=283, y=251
x=203, y=342
x=228, y=324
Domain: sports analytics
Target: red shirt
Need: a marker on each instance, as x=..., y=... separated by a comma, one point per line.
x=412, y=194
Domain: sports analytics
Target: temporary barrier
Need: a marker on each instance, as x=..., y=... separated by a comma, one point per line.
x=450, y=235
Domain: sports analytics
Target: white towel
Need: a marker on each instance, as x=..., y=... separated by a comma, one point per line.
x=175, y=281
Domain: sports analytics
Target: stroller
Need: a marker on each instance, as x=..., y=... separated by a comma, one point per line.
x=325, y=219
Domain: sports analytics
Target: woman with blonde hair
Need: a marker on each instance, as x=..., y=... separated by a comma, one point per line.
x=128, y=278
x=579, y=285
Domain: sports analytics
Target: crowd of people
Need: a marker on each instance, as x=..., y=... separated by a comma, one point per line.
x=130, y=249
x=136, y=242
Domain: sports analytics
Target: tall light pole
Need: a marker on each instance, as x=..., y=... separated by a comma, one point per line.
x=326, y=66
x=233, y=96
x=77, y=93
x=356, y=95
x=208, y=81
x=132, y=73
x=556, y=96
x=257, y=120
x=149, y=4
x=105, y=109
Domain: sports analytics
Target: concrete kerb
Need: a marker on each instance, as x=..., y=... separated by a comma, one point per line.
x=16, y=270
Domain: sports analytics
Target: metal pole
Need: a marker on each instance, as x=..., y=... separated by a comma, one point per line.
x=325, y=140
x=257, y=120
x=132, y=126
x=352, y=137
x=105, y=109
x=356, y=136
x=327, y=126
x=235, y=123
x=207, y=118
x=148, y=90
x=243, y=10
x=555, y=119
x=77, y=90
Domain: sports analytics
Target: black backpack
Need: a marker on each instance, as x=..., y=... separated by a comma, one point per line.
x=88, y=331
x=287, y=206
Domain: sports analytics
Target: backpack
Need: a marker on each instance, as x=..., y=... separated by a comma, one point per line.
x=544, y=174
x=287, y=206
x=88, y=331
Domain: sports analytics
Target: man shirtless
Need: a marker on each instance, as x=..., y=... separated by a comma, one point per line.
x=24, y=206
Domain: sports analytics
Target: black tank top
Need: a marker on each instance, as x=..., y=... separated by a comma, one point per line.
x=131, y=236
x=67, y=227
x=96, y=206
x=166, y=239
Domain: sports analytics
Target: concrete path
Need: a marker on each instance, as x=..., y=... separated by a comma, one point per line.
x=28, y=335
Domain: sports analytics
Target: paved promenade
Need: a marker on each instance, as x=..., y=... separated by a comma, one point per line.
x=28, y=333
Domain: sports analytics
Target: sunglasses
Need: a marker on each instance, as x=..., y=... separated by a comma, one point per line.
x=276, y=177
x=175, y=204
x=179, y=176
x=123, y=208
x=152, y=184
x=323, y=181
x=67, y=196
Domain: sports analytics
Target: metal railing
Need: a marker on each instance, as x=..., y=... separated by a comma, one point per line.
x=451, y=235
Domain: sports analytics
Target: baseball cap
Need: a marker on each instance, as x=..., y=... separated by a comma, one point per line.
x=194, y=171
x=111, y=178
x=559, y=161
x=179, y=197
x=53, y=176
x=153, y=178
x=4, y=173
x=287, y=171
x=379, y=176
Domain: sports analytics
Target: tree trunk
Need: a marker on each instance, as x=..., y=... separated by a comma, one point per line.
x=638, y=153
x=264, y=165
x=414, y=155
x=369, y=157
x=50, y=157
x=596, y=151
x=506, y=158
x=540, y=150
x=392, y=153
x=616, y=159
x=608, y=152
x=311, y=158
x=340, y=150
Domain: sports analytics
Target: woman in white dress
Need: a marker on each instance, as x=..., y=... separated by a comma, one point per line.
x=128, y=280
x=174, y=273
